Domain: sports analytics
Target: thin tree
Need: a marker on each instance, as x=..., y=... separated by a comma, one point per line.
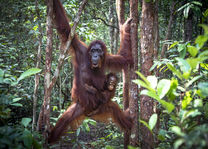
x=37, y=76
x=43, y=121
x=133, y=102
x=45, y=111
x=146, y=61
x=169, y=30
x=111, y=29
x=120, y=7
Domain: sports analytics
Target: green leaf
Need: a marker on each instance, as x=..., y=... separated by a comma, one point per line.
x=172, y=91
x=184, y=6
x=92, y=122
x=178, y=143
x=192, y=113
x=203, y=55
x=186, y=11
x=193, y=62
x=1, y=75
x=198, y=103
x=184, y=65
x=27, y=138
x=177, y=130
x=168, y=106
x=109, y=147
x=162, y=134
x=145, y=124
x=25, y=121
x=192, y=81
x=163, y=87
x=203, y=86
x=153, y=81
x=187, y=99
x=153, y=121
x=28, y=73
x=173, y=45
x=176, y=72
x=16, y=99
x=204, y=65
x=205, y=27
x=142, y=83
x=78, y=131
x=196, y=3
x=200, y=40
x=16, y=104
x=150, y=94
x=192, y=50
x=181, y=47
x=143, y=78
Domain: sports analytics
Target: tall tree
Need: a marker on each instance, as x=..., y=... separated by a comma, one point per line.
x=111, y=28
x=188, y=26
x=37, y=76
x=120, y=8
x=133, y=102
x=43, y=120
x=147, y=51
x=169, y=30
x=44, y=116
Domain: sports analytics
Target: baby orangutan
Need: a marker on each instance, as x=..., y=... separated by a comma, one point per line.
x=108, y=92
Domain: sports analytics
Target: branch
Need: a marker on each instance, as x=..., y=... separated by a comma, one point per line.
x=68, y=44
x=98, y=18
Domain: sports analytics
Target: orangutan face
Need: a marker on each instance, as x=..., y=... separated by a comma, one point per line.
x=112, y=82
x=96, y=56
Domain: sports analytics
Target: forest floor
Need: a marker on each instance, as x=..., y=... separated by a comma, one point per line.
x=98, y=137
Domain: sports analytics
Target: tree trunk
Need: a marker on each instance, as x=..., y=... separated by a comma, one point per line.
x=37, y=76
x=169, y=30
x=156, y=32
x=188, y=27
x=44, y=117
x=43, y=120
x=133, y=103
x=116, y=35
x=156, y=49
x=147, y=51
x=111, y=29
x=120, y=8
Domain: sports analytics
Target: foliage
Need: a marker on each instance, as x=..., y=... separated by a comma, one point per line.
x=14, y=136
x=195, y=5
x=183, y=97
x=19, y=27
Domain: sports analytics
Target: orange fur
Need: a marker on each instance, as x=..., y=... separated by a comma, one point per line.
x=84, y=101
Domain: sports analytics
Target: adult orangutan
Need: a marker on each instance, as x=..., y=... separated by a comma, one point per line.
x=90, y=64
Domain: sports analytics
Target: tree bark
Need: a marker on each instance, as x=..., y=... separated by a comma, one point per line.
x=116, y=35
x=43, y=120
x=188, y=27
x=156, y=31
x=44, y=117
x=120, y=7
x=111, y=29
x=133, y=102
x=169, y=30
x=147, y=51
x=37, y=76
x=66, y=47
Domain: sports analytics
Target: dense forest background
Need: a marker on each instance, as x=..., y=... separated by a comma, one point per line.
x=177, y=85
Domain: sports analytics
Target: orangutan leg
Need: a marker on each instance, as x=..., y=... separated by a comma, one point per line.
x=112, y=112
x=73, y=116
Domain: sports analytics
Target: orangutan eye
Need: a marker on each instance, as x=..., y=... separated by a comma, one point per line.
x=92, y=51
